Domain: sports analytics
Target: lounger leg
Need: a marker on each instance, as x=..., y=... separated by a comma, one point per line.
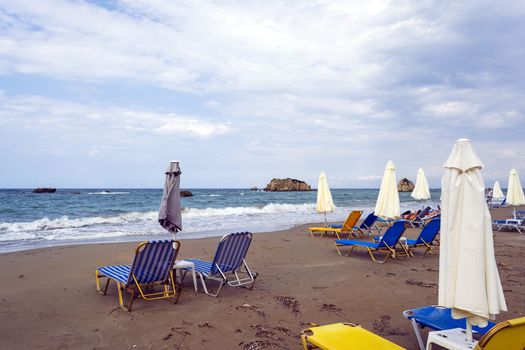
x=98, y=276
x=337, y=248
x=120, y=287
x=418, y=334
x=133, y=295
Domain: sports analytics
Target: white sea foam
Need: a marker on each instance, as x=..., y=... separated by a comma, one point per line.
x=271, y=208
x=107, y=192
x=46, y=224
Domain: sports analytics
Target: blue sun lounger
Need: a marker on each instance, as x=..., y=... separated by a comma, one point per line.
x=387, y=244
x=152, y=266
x=368, y=225
x=426, y=237
x=437, y=318
x=228, y=263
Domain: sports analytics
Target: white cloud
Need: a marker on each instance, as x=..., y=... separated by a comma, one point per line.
x=369, y=177
x=292, y=86
x=47, y=115
x=192, y=127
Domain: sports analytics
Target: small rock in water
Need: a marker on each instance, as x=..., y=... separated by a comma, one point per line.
x=44, y=190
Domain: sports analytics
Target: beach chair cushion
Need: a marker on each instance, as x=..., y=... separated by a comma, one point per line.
x=440, y=318
x=119, y=273
x=356, y=242
x=345, y=336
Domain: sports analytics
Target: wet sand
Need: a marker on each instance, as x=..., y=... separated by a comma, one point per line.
x=48, y=298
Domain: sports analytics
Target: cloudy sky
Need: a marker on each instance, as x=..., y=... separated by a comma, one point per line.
x=106, y=93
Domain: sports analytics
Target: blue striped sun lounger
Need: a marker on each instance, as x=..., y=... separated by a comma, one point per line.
x=229, y=263
x=152, y=266
x=437, y=318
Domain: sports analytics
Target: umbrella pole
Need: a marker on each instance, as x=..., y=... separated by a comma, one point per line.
x=325, y=222
x=469, y=330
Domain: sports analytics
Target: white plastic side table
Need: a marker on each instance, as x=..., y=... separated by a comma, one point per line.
x=181, y=264
x=453, y=339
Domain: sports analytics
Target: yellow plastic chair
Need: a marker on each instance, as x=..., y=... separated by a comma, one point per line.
x=347, y=227
x=344, y=336
x=507, y=335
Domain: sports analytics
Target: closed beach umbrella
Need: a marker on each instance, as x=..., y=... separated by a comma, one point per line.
x=514, y=190
x=387, y=205
x=421, y=190
x=469, y=282
x=325, y=204
x=170, y=209
x=497, y=193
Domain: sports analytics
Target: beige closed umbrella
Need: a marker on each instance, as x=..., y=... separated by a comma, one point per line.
x=514, y=190
x=497, y=193
x=515, y=194
x=421, y=190
x=469, y=281
x=387, y=205
x=325, y=204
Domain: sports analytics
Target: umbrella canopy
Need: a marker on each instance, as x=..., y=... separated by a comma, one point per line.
x=170, y=209
x=497, y=193
x=421, y=190
x=469, y=282
x=514, y=190
x=387, y=204
x=325, y=204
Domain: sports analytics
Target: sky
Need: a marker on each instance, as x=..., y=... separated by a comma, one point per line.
x=106, y=93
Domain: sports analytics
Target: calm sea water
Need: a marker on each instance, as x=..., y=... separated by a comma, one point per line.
x=72, y=216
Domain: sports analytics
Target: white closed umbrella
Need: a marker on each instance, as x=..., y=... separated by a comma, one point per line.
x=325, y=204
x=421, y=190
x=469, y=282
x=514, y=190
x=497, y=193
x=387, y=205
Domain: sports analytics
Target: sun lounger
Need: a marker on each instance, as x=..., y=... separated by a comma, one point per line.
x=426, y=238
x=152, y=266
x=386, y=245
x=519, y=214
x=229, y=263
x=502, y=204
x=418, y=220
x=347, y=227
x=437, y=318
x=513, y=224
x=506, y=335
x=344, y=336
x=368, y=225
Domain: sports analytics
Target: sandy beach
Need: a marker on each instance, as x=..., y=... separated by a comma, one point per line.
x=49, y=301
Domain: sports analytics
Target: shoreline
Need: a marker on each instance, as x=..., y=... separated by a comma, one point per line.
x=52, y=296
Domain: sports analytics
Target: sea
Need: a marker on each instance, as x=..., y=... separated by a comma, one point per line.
x=78, y=216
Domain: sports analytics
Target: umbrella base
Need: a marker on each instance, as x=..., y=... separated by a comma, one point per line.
x=453, y=339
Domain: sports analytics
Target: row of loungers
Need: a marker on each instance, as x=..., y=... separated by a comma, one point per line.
x=386, y=243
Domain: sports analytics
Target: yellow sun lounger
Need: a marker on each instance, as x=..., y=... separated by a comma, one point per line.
x=347, y=227
x=344, y=336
